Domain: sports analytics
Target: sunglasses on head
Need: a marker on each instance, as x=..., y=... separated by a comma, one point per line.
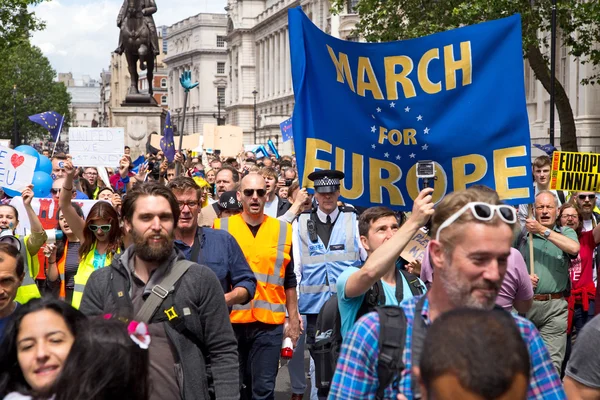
x=483, y=212
x=250, y=192
x=586, y=196
x=104, y=228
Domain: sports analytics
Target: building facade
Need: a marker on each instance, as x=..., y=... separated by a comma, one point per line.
x=261, y=94
x=85, y=107
x=197, y=44
x=584, y=100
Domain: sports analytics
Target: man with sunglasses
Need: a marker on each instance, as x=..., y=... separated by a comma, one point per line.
x=214, y=248
x=553, y=249
x=472, y=234
x=259, y=325
x=587, y=202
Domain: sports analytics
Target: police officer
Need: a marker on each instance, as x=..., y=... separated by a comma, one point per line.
x=326, y=242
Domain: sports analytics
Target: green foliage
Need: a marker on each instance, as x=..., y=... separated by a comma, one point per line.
x=26, y=67
x=16, y=22
x=578, y=20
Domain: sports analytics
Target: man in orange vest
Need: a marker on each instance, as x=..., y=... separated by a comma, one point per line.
x=259, y=325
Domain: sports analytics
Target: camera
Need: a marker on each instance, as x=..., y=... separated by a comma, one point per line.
x=288, y=182
x=426, y=172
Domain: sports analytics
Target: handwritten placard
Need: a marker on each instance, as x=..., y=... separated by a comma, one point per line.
x=96, y=147
x=415, y=249
x=16, y=169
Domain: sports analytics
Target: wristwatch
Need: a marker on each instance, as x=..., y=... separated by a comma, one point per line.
x=547, y=233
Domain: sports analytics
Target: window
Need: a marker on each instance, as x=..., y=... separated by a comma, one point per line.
x=221, y=94
x=163, y=100
x=220, y=41
x=163, y=83
x=165, y=41
x=84, y=116
x=352, y=6
x=220, y=68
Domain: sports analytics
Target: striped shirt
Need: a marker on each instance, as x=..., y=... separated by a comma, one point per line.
x=356, y=373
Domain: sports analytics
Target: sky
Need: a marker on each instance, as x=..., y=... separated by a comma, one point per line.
x=81, y=34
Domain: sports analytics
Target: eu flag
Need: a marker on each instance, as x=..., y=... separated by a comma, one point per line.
x=51, y=121
x=286, y=130
x=166, y=142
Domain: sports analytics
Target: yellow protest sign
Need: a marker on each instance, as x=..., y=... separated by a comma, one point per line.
x=575, y=171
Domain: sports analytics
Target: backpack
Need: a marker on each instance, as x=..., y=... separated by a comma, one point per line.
x=328, y=338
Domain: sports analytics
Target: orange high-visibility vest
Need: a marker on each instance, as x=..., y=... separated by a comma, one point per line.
x=268, y=255
x=61, y=272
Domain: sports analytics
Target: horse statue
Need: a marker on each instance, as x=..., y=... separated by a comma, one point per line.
x=139, y=41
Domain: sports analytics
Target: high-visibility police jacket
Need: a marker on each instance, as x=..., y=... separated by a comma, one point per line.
x=268, y=255
x=321, y=266
x=86, y=267
x=28, y=289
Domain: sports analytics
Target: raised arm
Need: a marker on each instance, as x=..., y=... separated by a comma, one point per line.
x=379, y=263
x=75, y=222
x=38, y=236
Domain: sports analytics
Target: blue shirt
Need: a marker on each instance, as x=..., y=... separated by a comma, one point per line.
x=4, y=322
x=356, y=372
x=349, y=306
x=220, y=252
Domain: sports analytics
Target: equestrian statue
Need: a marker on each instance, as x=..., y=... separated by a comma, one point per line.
x=139, y=41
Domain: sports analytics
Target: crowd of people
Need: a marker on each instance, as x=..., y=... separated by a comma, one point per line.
x=186, y=279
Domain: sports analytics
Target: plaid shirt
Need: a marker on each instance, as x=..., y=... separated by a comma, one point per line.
x=356, y=372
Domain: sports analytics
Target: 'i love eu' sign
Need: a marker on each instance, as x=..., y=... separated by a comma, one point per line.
x=16, y=169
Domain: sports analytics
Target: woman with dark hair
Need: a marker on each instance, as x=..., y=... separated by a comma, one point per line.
x=35, y=348
x=63, y=257
x=105, y=362
x=100, y=234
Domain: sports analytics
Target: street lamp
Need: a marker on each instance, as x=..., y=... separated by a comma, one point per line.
x=552, y=69
x=15, y=132
x=254, y=93
x=220, y=120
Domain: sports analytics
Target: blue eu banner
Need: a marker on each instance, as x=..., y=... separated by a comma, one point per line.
x=372, y=110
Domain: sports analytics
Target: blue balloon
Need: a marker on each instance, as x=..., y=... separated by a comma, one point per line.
x=44, y=165
x=31, y=151
x=11, y=193
x=42, y=183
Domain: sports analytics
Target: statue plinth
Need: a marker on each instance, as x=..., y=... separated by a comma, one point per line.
x=139, y=99
x=139, y=121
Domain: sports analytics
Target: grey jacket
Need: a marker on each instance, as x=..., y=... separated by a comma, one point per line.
x=198, y=291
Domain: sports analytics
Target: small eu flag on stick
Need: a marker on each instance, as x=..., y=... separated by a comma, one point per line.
x=167, y=143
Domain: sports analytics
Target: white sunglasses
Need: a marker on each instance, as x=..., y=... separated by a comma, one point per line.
x=483, y=212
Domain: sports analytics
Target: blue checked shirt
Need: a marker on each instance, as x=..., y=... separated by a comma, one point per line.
x=356, y=373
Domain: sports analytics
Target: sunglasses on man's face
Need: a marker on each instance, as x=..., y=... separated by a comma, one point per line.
x=250, y=192
x=104, y=228
x=587, y=196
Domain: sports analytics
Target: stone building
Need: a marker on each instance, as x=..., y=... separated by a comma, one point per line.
x=198, y=44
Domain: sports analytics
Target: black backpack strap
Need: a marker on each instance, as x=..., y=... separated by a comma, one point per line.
x=399, y=286
x=392, y=337
x=413, y=282
x=419, y=331
x=374, y=297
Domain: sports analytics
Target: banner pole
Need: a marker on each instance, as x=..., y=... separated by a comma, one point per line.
x=531, y=263
x=185, y=100
x=57, y=137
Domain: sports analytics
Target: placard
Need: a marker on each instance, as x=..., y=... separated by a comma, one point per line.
x=46, y=210
x=415, y=249
x=96, y=147
x=16, y=169
x=575, y=171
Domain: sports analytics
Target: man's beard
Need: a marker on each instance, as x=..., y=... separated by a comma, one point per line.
x=460, y=292
x=159, y=252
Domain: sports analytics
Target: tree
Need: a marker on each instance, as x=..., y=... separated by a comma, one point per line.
x=16, y=22
x=36, y=91
x=386, y=20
